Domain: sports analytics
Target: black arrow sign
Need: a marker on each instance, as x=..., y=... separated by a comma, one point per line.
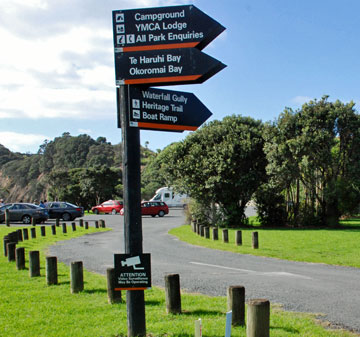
x=163, y=28
x=165, y=67
x=166, y=110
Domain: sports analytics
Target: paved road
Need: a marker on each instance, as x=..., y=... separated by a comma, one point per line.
x=305, y=287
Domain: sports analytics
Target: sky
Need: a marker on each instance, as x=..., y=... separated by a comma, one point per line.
x=57, y=64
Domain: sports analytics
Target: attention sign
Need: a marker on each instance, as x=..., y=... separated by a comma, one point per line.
x=132, y=272
x=163, y=28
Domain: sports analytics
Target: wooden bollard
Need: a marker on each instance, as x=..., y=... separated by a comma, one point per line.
x=198, y=228
x=11, y=246
x=96, y=224
x=258, y=318
x=25, y=234
x=73, y=225
x=20, y=258
x=34, y=263
x=51, y=270
x=76, y=277
x=20, y=235
x=33, y=233
x=207, y=232
x=236, y=303
x=6, y=240
x=86, y=225
x=255, y=240
x=193, y=226
x=81, y=222
x=215, y=234
x=238, y=238
x=102, y=223
x=53, y=229
x=64, y=230
x=57, y=222
x=202, y=230
x=7, y=218
x=225, y=235
x=172, y=294
x=113, y=296
x=13, y=237
x=43, y=231
x=33, y=221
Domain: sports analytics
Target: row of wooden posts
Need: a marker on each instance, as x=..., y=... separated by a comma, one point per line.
x=17, y=254
x=204, y=231
x=258, y=310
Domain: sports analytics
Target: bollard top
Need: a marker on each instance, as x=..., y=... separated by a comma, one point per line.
x=259, y=301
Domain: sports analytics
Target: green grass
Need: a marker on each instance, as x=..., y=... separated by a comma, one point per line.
x=31, y=308
x=330, y=246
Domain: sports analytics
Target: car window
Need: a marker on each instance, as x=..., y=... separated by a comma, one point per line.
x=62, y=205
x=69, y=205
x=107, y=204
x=54, y=205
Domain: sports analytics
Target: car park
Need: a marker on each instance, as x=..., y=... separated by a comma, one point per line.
x=24, y=212
x=110, y=206
x=64, y=210
x=152, y=208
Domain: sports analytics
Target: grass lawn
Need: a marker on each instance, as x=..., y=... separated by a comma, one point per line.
x=31, y=308
x=331, y=246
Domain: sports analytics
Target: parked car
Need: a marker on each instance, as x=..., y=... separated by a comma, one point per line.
x=64, y=210
x=24, y=212
x=152, y=208
x=110, y=206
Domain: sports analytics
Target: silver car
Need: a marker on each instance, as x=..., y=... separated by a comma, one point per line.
x=24, y=212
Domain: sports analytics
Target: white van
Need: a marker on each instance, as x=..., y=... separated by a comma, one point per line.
x=171, y=198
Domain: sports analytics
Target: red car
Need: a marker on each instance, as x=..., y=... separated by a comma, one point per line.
x=152, y=208
x=110, y=206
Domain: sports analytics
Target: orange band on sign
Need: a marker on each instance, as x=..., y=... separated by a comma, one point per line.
x=163, y=79
x=161, y=46
x=166, y=126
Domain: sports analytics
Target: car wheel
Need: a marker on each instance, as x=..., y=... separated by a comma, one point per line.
x=161, y=214
x=66, y=217
x=26, y=219
x=113, y=211
x=96, y=211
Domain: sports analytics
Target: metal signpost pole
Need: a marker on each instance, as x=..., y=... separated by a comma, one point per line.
x=135, y=301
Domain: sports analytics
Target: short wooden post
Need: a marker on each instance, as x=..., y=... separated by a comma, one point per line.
x=11, y=246
x=113, y=296
x=33, y=233
x=76, y=277
x=215, y=234
x=225, y=235
x=172, y=294
x=81, y=222
x=53, y=229
x=33, y=221
x=20, y=235
x=57, y=222
x=73, y=225
x=86, y=225
x=96, y=224
x=198, y=228
x=102, y=223
x=238, y=238
x=258, y=318
x=51, y=270
x=13, y=237
x=20, y=258
x=207, y=232
x=34, y=263
x=236, y=303
x=64, y=228
x=7, y=218
x=25, y=234
x=202, y=230
x=193, y=226
x=255, y=240
x=43, y=231
x=6, y=240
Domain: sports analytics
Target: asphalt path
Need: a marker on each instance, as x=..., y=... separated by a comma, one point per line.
x=331, y=291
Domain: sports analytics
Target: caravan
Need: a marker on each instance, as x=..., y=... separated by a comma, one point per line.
x=171, y=198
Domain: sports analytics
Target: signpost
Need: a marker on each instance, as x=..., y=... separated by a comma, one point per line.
x=169, y=110
x=163, y=28
x=161, y=46
x=164, y=67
